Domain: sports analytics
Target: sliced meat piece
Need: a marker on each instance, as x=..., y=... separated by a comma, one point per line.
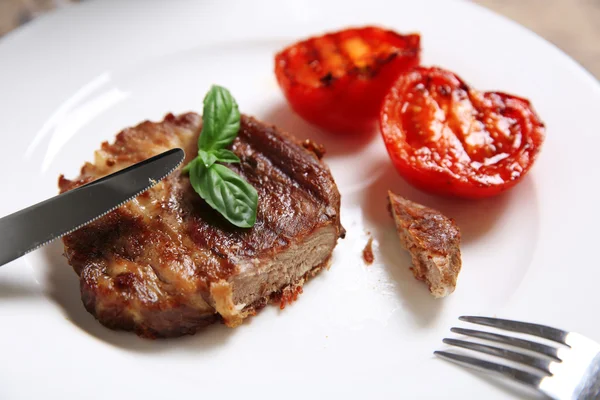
x=166, y=264
x=433, y=241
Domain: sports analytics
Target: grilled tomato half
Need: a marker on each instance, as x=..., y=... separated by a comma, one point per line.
x=447, y=138
x=337, y=81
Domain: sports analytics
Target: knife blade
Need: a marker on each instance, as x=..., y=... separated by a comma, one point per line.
x=35, y=226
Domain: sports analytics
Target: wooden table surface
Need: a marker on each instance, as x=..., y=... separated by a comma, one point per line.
x=573, y=25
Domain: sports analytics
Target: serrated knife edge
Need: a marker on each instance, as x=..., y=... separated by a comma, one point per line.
x=12, y=247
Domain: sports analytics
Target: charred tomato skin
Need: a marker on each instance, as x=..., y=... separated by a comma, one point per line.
x=337, y=81
x=449, y=139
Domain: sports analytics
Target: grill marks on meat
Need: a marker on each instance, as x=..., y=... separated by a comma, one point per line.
x=433, y=241
x=166, y=264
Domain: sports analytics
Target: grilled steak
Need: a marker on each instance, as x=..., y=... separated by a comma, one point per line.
x=433, y=241
x=166, y=264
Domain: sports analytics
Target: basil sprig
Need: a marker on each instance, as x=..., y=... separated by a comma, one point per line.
x=219, y=186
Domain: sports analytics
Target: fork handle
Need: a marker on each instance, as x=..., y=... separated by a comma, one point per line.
x=589, y=389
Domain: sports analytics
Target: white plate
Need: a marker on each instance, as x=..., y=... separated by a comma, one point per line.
x=75, y=78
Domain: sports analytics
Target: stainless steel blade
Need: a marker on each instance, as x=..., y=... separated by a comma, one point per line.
x=41, y=223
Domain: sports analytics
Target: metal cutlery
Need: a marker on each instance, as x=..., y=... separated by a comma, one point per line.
x=568, y=370
x=41, y=223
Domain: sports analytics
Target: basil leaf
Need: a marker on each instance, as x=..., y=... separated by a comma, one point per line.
x=220, y=187
x=226, y=192
x=220, y=119
x=208, y=158
x=224, y=155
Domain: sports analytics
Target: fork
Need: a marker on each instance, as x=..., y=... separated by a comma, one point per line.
x=570, y=371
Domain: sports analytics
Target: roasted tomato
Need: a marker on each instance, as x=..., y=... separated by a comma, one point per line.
x=337, y=81
x=447, y=138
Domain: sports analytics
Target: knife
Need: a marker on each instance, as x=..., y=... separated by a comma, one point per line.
x=35, y=226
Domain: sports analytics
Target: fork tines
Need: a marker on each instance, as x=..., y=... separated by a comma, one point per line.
x=544, y=354
x=569, y=370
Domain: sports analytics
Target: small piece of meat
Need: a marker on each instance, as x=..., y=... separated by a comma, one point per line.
x=165, y=264
x=433, y=241
x=368, y=256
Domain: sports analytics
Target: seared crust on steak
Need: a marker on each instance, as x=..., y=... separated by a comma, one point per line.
x=166, y=264
x=433, y=241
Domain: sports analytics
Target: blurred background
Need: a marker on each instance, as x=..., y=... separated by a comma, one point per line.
x=572, y=25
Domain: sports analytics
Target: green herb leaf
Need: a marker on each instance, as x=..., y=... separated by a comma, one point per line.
x=226, y=192
x=219, y=186
x=221, y=119
x=226, y=156
x=208, y=158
